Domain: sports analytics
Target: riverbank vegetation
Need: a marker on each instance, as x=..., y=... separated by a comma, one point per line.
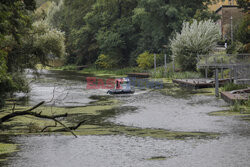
x=241, y=109
x=88, y=33
x=26, y=39
x=113, y=38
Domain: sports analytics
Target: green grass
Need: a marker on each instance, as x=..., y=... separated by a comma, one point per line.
x=232, y=86
x=122, y=72
x=237, y=109
x=92, y=70
x=161, y=73
x=111, y=72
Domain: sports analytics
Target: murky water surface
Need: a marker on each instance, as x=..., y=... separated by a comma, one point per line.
x=66, y=88
x=155, y=110
x=158, y=111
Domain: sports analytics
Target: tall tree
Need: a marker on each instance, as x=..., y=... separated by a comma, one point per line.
x=14, y=21
x=24, y=43
x=244, y=4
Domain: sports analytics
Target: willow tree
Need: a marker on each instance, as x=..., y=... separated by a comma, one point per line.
x=195, y=38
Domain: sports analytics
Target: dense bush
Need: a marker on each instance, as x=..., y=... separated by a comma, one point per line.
x=146, y=60
x=236, y=47
x=195, y=38
x=106, y=62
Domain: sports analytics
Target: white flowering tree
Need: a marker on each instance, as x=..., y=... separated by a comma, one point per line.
x=195, y=38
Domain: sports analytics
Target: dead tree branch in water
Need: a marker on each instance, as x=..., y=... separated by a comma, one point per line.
x=49, y=126
x=71, y=128
x=39, y=115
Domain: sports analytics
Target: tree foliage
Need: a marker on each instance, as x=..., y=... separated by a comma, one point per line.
x=123, y=29
x=145, y=60
x=14, y=22
x=195, y=38
x=244, y=4
x=243, y=31
x=24, y=42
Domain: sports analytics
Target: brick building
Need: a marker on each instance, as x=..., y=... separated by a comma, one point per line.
x=230, y=16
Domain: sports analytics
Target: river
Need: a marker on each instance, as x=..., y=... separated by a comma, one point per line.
x=154, y=110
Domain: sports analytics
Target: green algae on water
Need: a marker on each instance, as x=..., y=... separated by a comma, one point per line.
x=96, y=116
x=7, y=149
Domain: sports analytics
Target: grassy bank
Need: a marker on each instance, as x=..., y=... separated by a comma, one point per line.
x=111, y=72
x=158, y=73
x=241, y=110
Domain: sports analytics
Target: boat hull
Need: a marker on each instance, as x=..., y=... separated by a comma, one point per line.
x=119, y=91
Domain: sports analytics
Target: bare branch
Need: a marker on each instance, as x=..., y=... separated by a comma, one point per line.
x=50, y=126
x=28, y=112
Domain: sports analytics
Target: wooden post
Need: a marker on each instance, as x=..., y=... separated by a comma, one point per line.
x=216, y=83
x=173, y=64
x=206, y=69
x=231, y=71
x=222, y=70
x=165, y=63
x=155, y=62
x=215, y=60
x=230, y=75
x=235, y=74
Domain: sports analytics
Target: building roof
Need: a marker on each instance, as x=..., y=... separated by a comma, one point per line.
x=226, y=6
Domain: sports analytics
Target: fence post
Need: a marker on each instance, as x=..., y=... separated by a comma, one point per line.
x=216, y=83
x=206, y=69
x=155, y=62
x=173, y=64
x=215, y=62
x=235, y=74
x=222, y=70
x=165, y=63
x=230, y=70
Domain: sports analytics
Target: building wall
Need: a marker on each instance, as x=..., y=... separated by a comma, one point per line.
x=225, y=21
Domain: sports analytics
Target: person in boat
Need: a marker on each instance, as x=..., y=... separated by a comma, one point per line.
x=122, y=86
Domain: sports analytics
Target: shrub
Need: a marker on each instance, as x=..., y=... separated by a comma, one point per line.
x=106, y=62
x=194, y=38
x=236, y=47
x=146, y=60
